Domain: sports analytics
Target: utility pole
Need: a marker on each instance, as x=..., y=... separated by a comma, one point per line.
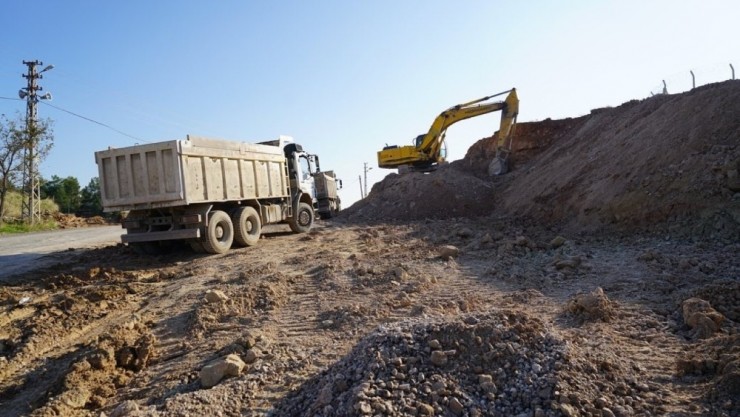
x=366, y=170
x=362, y=193
x=31, y=210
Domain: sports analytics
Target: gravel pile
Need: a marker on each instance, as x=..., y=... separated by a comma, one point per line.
x=498, y=364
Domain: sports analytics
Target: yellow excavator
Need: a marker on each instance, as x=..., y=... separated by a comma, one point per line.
x=428, y=150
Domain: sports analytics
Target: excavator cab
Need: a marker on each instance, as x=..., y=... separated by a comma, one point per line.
x=419, y=140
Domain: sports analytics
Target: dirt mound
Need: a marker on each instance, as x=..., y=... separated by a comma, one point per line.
x=699, y=315
x=499, y=363
x=109, y=365
x=70, y=221
x=723, y=295
x=716, y=361
x=663, y=159
x=447, y=192
x=529, y=139
x=591, y=306
x=671, y=160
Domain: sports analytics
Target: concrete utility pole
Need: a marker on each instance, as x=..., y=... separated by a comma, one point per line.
x=31, y=210
x=366, y=170
x=362, y=193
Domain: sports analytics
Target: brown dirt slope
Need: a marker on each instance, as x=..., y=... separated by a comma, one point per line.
x=530, y=139
x=669, y=159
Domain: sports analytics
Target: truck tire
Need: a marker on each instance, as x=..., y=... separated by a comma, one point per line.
x=247, y=226
x=302, y=221
x=326, y=213
x=219, y=233
x=331, y=210
x=336, y=208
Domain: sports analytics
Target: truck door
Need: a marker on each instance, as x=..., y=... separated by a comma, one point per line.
x=306, y=180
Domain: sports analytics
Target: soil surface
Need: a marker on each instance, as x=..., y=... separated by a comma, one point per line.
x=600, y=277
x=25, y=252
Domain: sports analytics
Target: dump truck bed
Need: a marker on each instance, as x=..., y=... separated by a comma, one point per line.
x=196, y=170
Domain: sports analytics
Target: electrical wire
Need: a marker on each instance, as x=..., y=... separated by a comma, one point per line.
x=144, y=110
x=94, y=121
x=83, y=117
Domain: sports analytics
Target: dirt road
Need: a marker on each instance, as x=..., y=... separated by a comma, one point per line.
x=115, y=330
x=25, y=252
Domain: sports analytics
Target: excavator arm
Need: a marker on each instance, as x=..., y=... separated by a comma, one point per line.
x=425, y=154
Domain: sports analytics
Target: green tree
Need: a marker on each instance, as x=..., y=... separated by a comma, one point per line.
x=64, y=191
x=11, y=157
x=15, y=138
x=90, y=203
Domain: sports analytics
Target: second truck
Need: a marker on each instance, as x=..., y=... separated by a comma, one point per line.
x=213, y=193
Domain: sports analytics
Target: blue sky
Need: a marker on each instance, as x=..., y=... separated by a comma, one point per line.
x=343, y=78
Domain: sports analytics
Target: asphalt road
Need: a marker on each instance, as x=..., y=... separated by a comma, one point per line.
x=21, y=253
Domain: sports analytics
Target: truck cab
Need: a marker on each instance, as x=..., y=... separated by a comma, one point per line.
x=305, y=175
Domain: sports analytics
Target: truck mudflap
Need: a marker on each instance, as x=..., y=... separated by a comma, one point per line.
x=165, y=235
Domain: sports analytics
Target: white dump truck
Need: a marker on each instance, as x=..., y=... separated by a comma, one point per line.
x=213, y=193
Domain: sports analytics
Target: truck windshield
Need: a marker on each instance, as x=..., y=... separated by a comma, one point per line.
x=305, y=167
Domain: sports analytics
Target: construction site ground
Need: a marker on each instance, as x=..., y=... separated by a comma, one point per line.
x=600, y=277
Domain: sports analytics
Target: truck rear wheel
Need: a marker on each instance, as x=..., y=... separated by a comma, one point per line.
x=303, y=218
x=331, y=210
x=247, y=226
x=219, y=233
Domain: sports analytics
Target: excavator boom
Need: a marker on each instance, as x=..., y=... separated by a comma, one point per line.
x=425, y=154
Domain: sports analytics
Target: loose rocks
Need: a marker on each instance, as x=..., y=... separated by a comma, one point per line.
x=701, y=317
x=557, y=242
x=438, y=358
x=125, y=409
x=215, y=371
x=404, y=371
x=592, y=306
x=216, y=296
x=448, y=252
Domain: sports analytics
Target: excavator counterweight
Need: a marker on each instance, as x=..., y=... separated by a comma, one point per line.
x=426, y=152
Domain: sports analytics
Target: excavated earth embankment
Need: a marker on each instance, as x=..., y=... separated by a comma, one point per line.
x=669, y=161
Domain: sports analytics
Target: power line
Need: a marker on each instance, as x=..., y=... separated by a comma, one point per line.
x=145, y=110
x=83, y=117
x=96, y=122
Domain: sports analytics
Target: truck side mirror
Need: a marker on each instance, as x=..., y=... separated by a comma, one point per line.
x=340, y=184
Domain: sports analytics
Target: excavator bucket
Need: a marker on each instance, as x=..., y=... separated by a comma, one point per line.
x=499, y=165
